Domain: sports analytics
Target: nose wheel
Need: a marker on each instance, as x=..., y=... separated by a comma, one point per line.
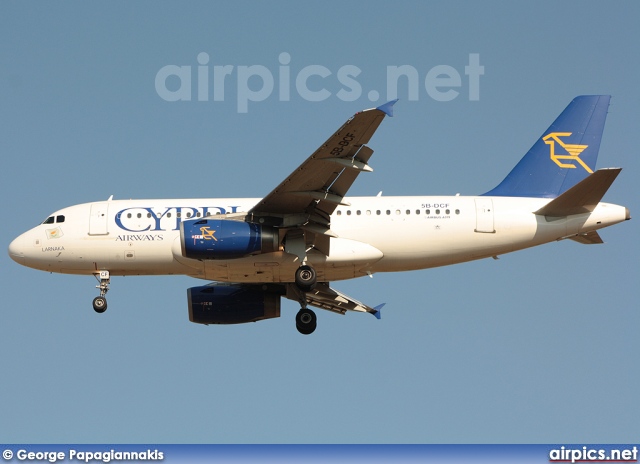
x=100, y=302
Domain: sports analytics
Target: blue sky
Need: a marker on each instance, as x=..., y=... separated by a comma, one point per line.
x=539, y=346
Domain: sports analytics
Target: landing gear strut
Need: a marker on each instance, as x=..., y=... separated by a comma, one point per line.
x=100, y=302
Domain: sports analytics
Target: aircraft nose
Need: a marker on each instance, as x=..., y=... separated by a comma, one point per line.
x=16, y=250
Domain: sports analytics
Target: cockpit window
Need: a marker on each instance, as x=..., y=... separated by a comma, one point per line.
x=59, y=219
x=49, y=220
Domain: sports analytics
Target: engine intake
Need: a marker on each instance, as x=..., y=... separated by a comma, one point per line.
x=225, y=239
x=233, y=303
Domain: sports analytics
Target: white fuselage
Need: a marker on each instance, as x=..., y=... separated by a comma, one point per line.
x=374, y=234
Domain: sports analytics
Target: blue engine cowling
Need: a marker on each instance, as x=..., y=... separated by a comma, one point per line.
x=233, y=303
x=225, y=239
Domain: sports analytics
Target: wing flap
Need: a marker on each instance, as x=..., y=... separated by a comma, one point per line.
x=325, y=297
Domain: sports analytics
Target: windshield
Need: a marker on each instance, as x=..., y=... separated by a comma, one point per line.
x=54, y=220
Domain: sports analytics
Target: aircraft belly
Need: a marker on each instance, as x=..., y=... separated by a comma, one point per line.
x=255, y=269
x=347, y=259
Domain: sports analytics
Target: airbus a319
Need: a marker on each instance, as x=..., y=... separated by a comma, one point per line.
x=306, y=233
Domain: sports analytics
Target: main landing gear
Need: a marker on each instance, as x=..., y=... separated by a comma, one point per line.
x=306, y=321
x=100, y=302
x=305, y=280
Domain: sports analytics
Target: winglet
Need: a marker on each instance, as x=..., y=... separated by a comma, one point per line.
x=376, y=311
x=387, y=108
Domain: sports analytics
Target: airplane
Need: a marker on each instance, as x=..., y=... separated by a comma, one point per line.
x=307, y=233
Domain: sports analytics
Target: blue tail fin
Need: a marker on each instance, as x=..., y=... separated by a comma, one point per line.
x=564, y=155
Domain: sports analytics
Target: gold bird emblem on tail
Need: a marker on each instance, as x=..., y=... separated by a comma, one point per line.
x=573, y=150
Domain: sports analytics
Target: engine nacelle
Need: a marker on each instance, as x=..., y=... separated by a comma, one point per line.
x=225, y=239
x=233, y=303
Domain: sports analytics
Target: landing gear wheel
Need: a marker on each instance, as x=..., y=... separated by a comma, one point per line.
x=306, y=278
x=306, y=321
x=99, y=304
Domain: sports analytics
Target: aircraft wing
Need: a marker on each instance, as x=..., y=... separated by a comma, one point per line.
x=325, y=297
x=310, y=194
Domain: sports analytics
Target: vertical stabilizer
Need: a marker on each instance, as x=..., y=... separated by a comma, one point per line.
x=563, y=156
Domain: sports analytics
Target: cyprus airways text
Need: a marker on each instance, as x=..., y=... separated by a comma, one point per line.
x=146, y=219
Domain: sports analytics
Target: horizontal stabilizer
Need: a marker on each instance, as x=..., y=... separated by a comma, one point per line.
x=582, y=197
x=590, y=238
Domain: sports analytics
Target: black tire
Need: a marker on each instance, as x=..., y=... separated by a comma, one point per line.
x=99, y=304
x=306, y=321
x=306, y=278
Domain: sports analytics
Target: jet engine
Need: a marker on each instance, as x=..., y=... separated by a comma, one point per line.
x=233, y=303
x=225, y=239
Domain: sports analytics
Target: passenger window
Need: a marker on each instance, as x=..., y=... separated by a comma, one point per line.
x=348, y=212
x=388, y=212
x=59, y=219
x=358, y=212
x=408, y=212
x=417, y=211
x=437, y=211
x=139, y=215
x=447, y=211
x=427, y=211
x=129, y=215
x=368, y=212
x=457, y=211
x=378, y=212
x=339, y=213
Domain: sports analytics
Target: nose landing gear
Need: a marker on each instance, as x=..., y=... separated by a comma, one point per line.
x=100, y=302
